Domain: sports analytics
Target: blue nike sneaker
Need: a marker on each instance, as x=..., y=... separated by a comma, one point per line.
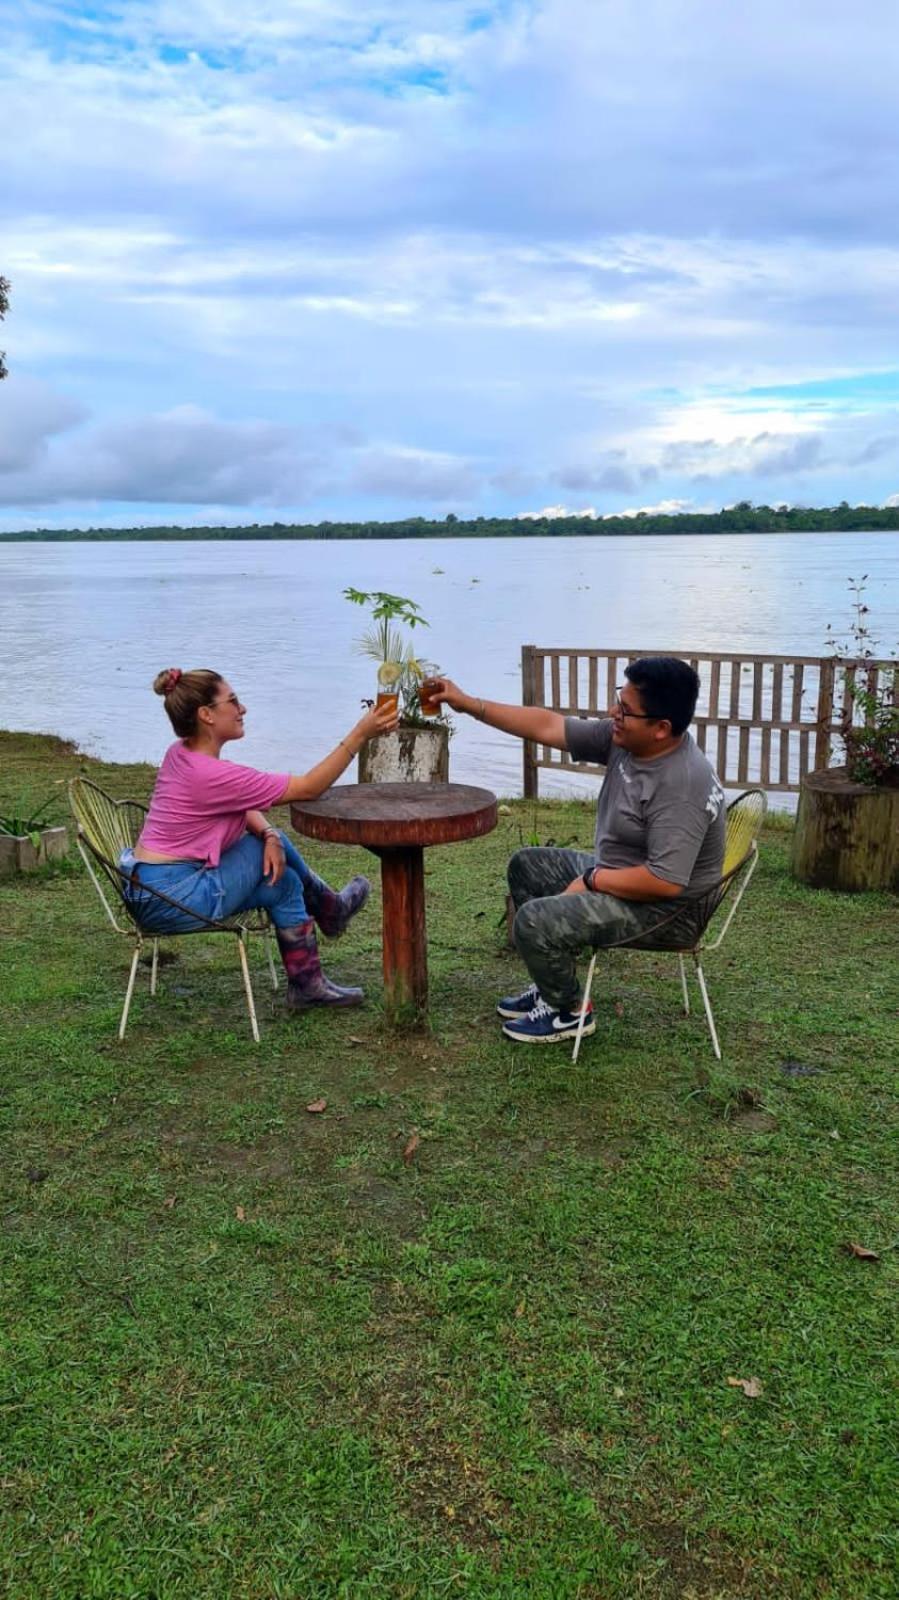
x=518, y=1005
x=544, y=1024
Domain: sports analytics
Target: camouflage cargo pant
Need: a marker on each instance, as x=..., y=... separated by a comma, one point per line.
x=552, y=928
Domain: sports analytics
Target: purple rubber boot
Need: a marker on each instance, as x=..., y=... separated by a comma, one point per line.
x=307, y=985
x=333, y=909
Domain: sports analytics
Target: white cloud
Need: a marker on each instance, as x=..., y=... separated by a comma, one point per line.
x=534, y=255
x=557, y=511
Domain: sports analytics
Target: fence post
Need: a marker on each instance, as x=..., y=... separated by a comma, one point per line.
x=528, y=698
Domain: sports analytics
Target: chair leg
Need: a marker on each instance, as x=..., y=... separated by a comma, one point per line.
x=154, y=966
x=130, y=989
x=248, y=987
x=700, y=977
x=267, y=936
x=683, y=984
x=584, y=1003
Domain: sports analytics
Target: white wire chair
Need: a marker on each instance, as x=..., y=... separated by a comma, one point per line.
x=105, y=827
x=745, y=816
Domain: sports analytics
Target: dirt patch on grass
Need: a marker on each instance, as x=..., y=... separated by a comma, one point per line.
x=374, y=1201
x=523, y=1155
x=266, y=1159
x=696, y=1565
x=753, y=1120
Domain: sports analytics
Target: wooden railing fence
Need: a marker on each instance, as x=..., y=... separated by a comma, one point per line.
x=763, y=720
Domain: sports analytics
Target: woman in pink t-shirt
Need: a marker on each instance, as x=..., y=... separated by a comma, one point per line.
x=208, y=844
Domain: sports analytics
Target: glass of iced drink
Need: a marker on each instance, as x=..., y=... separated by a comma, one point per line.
x=426, y=690
x=388, y=684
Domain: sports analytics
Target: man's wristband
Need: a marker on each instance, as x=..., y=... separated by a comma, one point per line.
x=270, y=833
x=588, y=878
x=480, y=711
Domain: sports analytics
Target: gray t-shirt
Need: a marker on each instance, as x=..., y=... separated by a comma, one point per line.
x=666, y=814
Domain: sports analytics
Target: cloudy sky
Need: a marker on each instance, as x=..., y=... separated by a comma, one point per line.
x=337, y=258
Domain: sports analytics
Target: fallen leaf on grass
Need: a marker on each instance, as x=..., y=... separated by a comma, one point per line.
x=37, y=1174
x=316, y=1106
x=619, y=1009
x=240, y=1214
x=861, y=1252
x=412, y=1144
x=353, y=1039
x=170, y=1201
x=750, y=1386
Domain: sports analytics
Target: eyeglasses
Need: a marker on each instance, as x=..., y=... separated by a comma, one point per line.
x=624, y=711
x=229, y=700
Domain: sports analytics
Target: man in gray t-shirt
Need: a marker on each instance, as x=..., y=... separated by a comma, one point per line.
x=660, y=825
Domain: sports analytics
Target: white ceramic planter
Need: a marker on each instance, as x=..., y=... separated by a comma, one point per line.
x=19, y=854
x=410, y=755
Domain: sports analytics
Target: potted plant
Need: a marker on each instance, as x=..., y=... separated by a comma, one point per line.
x=418, y=751
x=28, y=838
x=847, y=825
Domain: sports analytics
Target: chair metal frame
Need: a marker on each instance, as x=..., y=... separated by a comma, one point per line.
x=745, y=816
x=104, y=827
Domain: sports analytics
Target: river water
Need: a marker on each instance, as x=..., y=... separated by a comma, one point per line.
x=84, y=627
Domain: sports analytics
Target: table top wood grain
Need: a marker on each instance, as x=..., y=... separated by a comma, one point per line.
x=396, y=815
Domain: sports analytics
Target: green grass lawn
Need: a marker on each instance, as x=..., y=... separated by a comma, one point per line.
x=248, y=1351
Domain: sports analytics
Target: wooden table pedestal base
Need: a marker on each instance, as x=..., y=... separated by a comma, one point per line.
x=405, y=937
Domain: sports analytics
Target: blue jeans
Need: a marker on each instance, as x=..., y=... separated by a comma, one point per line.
x=235, y=885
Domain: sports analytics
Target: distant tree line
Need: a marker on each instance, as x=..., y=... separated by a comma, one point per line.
x=742, y=518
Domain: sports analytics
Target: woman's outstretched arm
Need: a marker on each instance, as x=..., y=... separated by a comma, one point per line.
x=309, y=785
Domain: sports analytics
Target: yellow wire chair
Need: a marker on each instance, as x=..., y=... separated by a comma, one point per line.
x=105, y=827
x=745, y=816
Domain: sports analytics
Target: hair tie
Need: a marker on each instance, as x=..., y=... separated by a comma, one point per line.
x=172, y=679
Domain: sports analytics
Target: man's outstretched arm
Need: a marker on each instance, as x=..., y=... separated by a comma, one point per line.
x=525, y=722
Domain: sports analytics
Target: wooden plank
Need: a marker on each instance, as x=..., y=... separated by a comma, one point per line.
x=585, y=652
x=574, y=698
x=765, y=759
x=804, y=740
x=593, y=686
x=758, y=671
x=784, y=759
x=796, y=707
x=714, y=690
x=611, y=681
x=530, y=778
x=777, y=690
x=701, y=734
x=743, y=765
x=555, y=682
x=734, y=690
x=723, y=755
x=824, y=714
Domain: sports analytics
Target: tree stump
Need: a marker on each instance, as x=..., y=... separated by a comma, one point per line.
x=847, y=834
x=408, y=755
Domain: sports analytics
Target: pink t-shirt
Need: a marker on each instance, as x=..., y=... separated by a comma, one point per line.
x=200, y=804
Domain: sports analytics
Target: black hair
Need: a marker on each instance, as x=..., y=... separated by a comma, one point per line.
x=668, y=688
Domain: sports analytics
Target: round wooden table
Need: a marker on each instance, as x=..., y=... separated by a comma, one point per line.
x=397, y=821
